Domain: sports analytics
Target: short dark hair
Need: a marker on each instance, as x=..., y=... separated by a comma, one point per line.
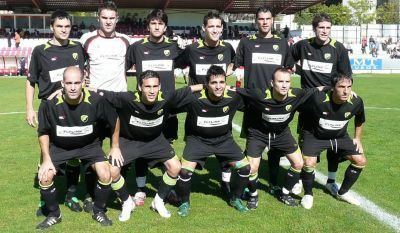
x=148, y=74
x=321, y=17
x=213, y=14
x=340, y=77
x=158, y=14
x=264, y=9
x=285, y=70
x=214, y=71
x=108, y=5
x=59, y=14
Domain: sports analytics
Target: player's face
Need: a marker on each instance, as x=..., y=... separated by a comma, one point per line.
x=72, y=84
x=216, y=86
x=156, y=28
x=61, y=29
x=150, y=88
x=281, y=83
x=213, y=29
x=342, y=90
x=108, y=20
x=265, y=22
x=323, y=31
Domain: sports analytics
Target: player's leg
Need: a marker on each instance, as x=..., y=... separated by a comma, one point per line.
x=273, y=170
x=333, y=164
x=183, y=186
x=72, y=172
x=225, y=179
x=141, y=169
x=90, y=181
x=292, y=177
x=242, y=168
x=169, y=179
x=118, y=185
x=308, y=177
x=102, y=192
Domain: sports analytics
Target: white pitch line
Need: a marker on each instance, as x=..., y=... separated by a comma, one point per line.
x=368, y=206
x=10, y=113
x=379, y=108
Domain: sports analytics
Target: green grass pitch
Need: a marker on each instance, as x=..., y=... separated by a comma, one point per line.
x=379, y=182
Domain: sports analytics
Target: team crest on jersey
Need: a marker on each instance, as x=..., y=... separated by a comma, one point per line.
x=160, y=112
x=327, y=56
x=347, y=114
x=167, y=52
x=275, y=47
x=220, y=57
x=84, y=118
x=225, y=109
x=75, y=56
x=288, y=107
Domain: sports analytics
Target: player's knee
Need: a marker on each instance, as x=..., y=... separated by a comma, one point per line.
x=359, y=160
x=115, y=172
x=48, y=182
x=298, y=164
x=309, y=161
x=254, y=165
x=174, y=167
x=103, y=172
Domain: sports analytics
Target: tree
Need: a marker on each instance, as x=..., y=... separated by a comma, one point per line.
x=388, y=13
x=361, y=11
x=340, y=15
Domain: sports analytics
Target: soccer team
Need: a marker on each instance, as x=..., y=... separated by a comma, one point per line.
x=142, y=125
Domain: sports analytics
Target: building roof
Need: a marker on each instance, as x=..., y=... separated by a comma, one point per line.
x=228, y=6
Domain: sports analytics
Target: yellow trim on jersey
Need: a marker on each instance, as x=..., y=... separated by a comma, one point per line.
x=327, y=98
x=268, y=94
x=221, y=43
x=159, y=96
x=166, y=40
x=350, y=99
x=332, y=42
x=47, y=45
x=290, y=93
x=203, y=94
x=226, y=94
x=277, y=37
x=145, y=40
x=253, y=37
x=137, y=99
x=201, y=44
x=87, y=95
x=71, y=42
x=60, y=100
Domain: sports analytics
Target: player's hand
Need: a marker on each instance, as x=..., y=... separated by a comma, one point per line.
x=45, y=168
x=55, y=94
x=230, y=88
x=31, y=118
x=358, y=144
x=116, y=157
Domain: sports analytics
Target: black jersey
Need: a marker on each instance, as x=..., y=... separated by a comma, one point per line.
x=319, y=64
x=270, y=115
x=260, y=57
x=143, y=122
x=75, y=126
x=207, y=119
x=327, y=120
x=159, y=57
x=48, y=63
x=199, y=57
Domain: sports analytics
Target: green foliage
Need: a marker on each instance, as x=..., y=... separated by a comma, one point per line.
x=341, y=15
x=388, y=13
x=361, y=12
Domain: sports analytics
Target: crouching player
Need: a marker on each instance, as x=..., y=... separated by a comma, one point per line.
x=143, y=115
x=69, y=128
x=208, y=131
x=269, y=129
x=326, y=128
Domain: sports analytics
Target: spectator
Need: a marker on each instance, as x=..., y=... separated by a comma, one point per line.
x=17, y=39
x=92, y=28
x=22, y=63
x=363, y=45
x=82, y=25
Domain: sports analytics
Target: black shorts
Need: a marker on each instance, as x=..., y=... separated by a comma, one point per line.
x=155, y=151
x=170, y=129
x=196, y=150
x=88, y=155
x=282, y=143
x=312, y=146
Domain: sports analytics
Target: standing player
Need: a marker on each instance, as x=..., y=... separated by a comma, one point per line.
x=269, y=129
x=321, y=58
x=47, y=65
x=208, y=131
x=105, y=50
x=157, y=53
x=200, y=55
x=326, y=128
x=260, y=55
x=69, y=128
x=143, y=115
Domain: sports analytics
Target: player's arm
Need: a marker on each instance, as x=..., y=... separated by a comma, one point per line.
x=31, y=117
x=357, y=137
x=196, y=88
x=239, y=58
x=229, y=69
